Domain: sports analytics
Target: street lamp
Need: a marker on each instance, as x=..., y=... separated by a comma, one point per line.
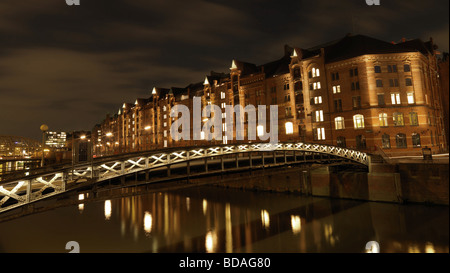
x=43, y=128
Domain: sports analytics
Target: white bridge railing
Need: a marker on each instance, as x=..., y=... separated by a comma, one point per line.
x=29, y=189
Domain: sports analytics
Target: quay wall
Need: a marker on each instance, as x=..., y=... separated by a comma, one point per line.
x=426, y=183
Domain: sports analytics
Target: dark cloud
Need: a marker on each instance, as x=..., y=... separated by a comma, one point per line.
x=68, y=66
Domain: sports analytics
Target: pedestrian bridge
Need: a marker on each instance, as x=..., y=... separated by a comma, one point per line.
x=20, y=191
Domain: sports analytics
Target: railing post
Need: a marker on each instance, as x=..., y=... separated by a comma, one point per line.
x=250, y=159
x=29, y=191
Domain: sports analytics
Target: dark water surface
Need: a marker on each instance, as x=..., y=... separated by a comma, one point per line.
x=215, y=219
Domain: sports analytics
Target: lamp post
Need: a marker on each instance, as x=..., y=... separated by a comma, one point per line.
x=43, y=128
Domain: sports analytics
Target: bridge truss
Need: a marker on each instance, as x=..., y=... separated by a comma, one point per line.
x=27, y=189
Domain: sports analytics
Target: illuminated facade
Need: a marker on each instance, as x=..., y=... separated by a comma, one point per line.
x=356, y=92
x=55, y=139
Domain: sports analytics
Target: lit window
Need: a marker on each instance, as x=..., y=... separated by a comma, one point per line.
x=395, y=98
x=413, y=118
x=315, y=72
x=321, y=133
x=165, y=133
x=358, y=121
x=319, y=115
x=339, y=122
x=318, y=100
x=223, y=104
x=222, y=95
x=398, y=119
x=383, y=119
x=289, y=128
x=202, y=135
x=336, y=89
x=260, y=130
x=316, y=85
x=410, y=97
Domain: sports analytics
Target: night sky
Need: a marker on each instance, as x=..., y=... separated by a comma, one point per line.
x=68, y=66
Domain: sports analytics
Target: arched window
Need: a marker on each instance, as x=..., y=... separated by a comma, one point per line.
x=383, y=117
x=400, y=140
x=386, y=141
x=358, y=121
x=340, y=142
x=360, y=142
x=416, y=140
x=339, y=123
x=315, y=72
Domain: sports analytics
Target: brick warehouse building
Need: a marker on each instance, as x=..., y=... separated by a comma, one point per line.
x=356, y=92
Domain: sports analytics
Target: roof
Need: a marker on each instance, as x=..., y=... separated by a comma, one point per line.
x=352, y=46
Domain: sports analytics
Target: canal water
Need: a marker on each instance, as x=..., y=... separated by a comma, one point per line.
x=218, y=219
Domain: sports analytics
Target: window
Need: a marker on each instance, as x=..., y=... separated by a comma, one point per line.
x=360, y=142
x=335, y=76
x=395, y=98
x=393, y=82
x=355, y=86
x=287, y=98
x=392, y=68
x=383, y=117
x=358, y=121
x=320, y=133
x=410, y=96
x=379, y=83
x=338, y=105
x=416, y=140
x=381, y=100
x=318, y=100
x=319, y=115
x=289, y=128
x=398, y=119
x=260, y=130
x=316, y=85
x=336, y=89
x=223, y=104
x=288, y=111
x=377, y=69
x=386, y=141
x=413, y=119
x=315, y=72
x=356, y=102
x=222, y=95
x=340, y=142
x=400, y=140
x=298, y=86
x=339, y=123
x=408, y=82
x=406, y=68
x=353, y=72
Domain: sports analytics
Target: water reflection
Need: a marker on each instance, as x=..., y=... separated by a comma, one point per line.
x=107, y=209
x=208, y=219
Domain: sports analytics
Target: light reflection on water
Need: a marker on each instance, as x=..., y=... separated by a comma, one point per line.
x=211, y=219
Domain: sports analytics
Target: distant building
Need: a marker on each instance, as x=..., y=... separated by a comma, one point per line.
x=357, y=92
x=18, y=147
x=55, y=140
